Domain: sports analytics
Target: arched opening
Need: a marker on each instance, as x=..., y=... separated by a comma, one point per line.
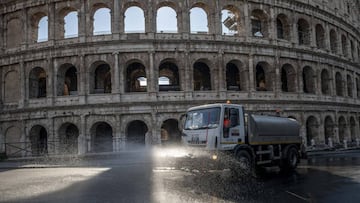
x=308, y=80
x=101, y=78
x=320, y=36
x=39, y=27
x=170, y=133
x=102, y=137
x=198, y=20
x=102, y=21
x=282, y=27
x=329, y=129
x=202, y=77
x=303, y=32
x=264, y=77
x=230, y=21
x=325, y=82
x=352, y=129
x=342, y=129
x=333, y=41
x=68, y=135
x=11, y=87
x=136, y=78
x=349, y=86
x=13, y=142
x=312, y=130
x=339, y=84
x=232, y=77
x=14, y=35
x=166, y=20
x=67, y=80
x=71, y=25
x=259, y=23
x=288, y=78
x=134, y=21
x=38, y=139
x=135, y=134
x=344, y=45
x=168, y=77
x=37, y=83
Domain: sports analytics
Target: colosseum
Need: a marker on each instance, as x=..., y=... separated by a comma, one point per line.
x=91, y=89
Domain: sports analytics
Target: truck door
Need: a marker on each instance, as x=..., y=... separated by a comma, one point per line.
x=231, y=127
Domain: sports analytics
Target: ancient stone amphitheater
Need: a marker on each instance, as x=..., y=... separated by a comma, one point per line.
x=91, y=90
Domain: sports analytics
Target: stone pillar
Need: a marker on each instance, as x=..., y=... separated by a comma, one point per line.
x=214, y=22
x=272, y=27
x=247, y=26
x=318, y=79
x=327, y=37
x=83, y=80
x=294, y=33
x=26, y=30
x=2, y=141
x=83, y=145
x=84, y=20
x=277, y=82
x=2, y=31
x=332, y=81
x=51, y=21
x=50, y=78
x=117, y=130
x=122, y=72
x=115, y=16
x=251, y=73
x=184, y=19
x=152, y=79
x=222, y=72
x=150, y=18
x=312, y=33
x=23, y=85
x=116, y=78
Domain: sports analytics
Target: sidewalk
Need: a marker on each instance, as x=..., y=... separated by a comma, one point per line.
x=331, y=151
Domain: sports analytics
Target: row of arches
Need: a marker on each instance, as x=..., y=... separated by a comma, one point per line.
x=102, y=135
x=337, y=130
x=167, y=20
x=237, y=78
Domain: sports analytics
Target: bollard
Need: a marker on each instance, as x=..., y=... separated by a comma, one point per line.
x=345, y=144
x=330, y=142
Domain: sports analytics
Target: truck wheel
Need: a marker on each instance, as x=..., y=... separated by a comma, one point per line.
x=244, y=161
x=291, y=160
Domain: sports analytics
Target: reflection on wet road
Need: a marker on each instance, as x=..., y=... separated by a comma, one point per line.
x=150, y=176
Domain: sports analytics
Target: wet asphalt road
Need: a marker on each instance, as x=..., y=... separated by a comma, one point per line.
x=158, y=176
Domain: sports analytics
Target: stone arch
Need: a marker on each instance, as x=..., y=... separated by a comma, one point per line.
x=14, y=35
x=312, y=131
x=339, y=84
x=39, y=27
x=288, y=78
x=303, y=29
x=329, y=131
x=169, y=76
x=166, y=19
x=264, y=76
x=283, y=27
x=352, y=129
x=102, y=137
x=308, y=77
x=100, y=78
x=325, y=82
x=13, y=142
x=38, y=139
x=235, y=79
x=230, y=18
x=342, y=128
x=136, y=80
x=333, y=41
x=320, y=36
x=67, y=80
x=344, y=45
x=101, y=19
x=37, y=83
x=11, y=87
x=199, y=18
x=68, y=137
x=170, y=133
x=63, y=31
x=259, y=23
x=136, y=132
x=202, y=75
x=134, y=11
x=349, y=85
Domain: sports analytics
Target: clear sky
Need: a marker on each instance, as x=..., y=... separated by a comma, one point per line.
x=134, y=22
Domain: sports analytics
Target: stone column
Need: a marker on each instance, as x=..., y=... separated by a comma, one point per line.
x=83, y=81
x=51, y=21
x=83, y=140
x=272, y=28
x=312, y=33
x=184, y=26
x=247, y=26
x=251, y=73
x=23, y=85
x=152, y=79
x=327, y=37
x=150, y=18
x=115, y=88
x=122, y=72
x=115, y=17
x=2, y=31
x=2, y=141
x=84, y=20
x=26, y=30
x=50, y=94
x=222, y=72
x=295, y=37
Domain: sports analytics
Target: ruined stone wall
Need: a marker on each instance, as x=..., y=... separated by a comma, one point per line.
x=306, y=54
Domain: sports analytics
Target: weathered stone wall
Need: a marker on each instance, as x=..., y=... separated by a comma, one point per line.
x=325, y=106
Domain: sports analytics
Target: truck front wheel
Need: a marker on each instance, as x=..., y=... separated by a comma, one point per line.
x=244, y=161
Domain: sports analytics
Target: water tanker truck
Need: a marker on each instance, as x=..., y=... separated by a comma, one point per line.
x=255, y=140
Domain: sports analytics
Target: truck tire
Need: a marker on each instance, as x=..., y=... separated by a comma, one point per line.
x=291, y=159
x=244, y=161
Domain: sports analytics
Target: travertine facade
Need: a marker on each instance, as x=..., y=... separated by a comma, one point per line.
x=86, y=93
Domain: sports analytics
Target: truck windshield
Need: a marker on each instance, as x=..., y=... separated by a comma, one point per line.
x=202, y=119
